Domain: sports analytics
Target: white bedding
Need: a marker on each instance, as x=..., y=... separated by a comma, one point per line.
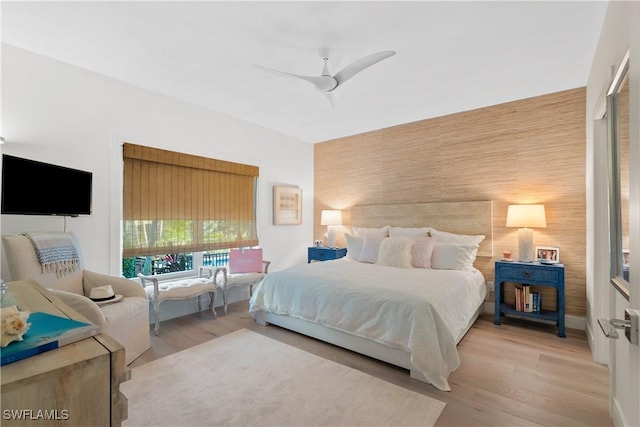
x=423, y=312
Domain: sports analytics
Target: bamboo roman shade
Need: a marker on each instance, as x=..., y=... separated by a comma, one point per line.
x=176, y=203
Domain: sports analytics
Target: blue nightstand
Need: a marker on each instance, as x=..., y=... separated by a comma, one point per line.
x=530, y=273
x=324, y=253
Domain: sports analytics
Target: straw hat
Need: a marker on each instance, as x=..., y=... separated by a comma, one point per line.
x=104, y=295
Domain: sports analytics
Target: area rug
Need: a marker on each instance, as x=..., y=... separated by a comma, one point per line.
x=246, y=379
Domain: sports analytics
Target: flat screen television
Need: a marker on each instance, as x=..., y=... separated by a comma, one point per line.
x=30, y=187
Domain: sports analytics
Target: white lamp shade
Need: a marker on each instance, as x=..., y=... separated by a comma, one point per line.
x=526, y=217
x=331, y=217
x=532, y=216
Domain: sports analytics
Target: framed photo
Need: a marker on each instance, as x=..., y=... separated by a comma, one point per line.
x=547, y=255
x=287, y=205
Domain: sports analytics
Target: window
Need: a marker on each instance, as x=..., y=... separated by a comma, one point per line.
x=157, y=264
x=176, y=204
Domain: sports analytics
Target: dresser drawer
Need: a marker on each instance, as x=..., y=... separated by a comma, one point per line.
x=520, y=274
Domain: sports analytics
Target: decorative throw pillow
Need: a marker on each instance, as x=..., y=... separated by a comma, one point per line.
x=461, y=239
x=410, y=232
x=421, y=251
x=370, y=247
x=362, y=231
x=354, y=246
x=449, y=256
x=395, y=252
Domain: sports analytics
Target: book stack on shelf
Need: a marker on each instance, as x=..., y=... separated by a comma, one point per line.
x=527, y=301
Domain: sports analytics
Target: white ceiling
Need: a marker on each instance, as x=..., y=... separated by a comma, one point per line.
x=451, y=56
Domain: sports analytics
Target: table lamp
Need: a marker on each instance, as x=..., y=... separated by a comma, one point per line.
x=331, y=218
x=526, y=216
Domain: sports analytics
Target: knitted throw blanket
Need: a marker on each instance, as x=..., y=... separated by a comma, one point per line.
x=56, y=252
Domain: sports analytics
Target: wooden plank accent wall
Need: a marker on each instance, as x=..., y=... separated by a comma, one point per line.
x=526, y=151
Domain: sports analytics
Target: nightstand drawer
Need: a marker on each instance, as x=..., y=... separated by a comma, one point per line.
x=325, y=254
x=520, y=274
x=321, y=255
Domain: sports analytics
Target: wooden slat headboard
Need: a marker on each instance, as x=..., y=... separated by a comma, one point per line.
x=454, y=217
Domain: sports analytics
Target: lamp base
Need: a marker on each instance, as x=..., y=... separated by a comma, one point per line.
x=525, y=245
x=331, y=236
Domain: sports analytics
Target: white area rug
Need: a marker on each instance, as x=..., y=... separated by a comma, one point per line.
x=247, y=379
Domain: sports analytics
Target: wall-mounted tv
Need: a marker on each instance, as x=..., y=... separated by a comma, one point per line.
x=30, y=187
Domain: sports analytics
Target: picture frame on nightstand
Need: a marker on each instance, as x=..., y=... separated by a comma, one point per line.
x=547, y=255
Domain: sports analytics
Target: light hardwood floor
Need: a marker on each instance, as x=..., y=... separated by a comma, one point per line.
x=516, y=374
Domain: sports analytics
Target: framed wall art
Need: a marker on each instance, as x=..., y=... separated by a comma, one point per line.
x=287, y=205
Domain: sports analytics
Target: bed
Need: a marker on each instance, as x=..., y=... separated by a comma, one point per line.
x=409, y=317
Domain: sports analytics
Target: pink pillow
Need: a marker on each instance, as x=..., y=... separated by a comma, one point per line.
x=421, y=251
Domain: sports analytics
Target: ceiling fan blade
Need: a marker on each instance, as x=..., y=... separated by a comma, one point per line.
x=356, y=66
x=323, y=83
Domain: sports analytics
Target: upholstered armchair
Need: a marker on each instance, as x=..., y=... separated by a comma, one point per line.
x=126, y=321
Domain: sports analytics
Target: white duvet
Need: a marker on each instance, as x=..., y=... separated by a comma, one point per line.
x=424, y=312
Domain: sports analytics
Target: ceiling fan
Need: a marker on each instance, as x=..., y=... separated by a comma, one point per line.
x=326, y=82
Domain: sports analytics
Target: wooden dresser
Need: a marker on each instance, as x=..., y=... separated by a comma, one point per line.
x=74, y=385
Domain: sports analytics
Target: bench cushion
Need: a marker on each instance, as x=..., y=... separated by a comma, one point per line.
x=181, y=289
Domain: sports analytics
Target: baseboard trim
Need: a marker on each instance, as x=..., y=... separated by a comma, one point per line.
x=599, y=346
x=617, y=415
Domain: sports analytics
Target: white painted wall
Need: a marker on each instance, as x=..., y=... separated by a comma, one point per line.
x=621, y=30
x=61, y=114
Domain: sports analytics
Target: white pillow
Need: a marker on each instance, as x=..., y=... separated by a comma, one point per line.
x=421, y=252
x=370, y=247
x=462, y=239
x=411, y=232
x=448, y=256
x=362, y=231
x=354, y=246
x=395, y=252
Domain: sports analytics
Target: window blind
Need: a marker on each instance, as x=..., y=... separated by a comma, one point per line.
x=175, y=202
